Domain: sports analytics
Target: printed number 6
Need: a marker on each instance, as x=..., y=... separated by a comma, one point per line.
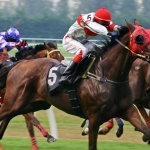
x=89, y=17
x=53, y=76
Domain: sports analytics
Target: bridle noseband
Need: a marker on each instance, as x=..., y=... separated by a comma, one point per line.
x=49, y=52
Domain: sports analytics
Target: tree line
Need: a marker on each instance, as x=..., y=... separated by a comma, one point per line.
x=43, y=19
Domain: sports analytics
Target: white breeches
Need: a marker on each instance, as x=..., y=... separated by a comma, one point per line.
x=73, y=46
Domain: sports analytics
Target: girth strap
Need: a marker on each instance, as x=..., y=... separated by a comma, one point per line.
x=74, y=102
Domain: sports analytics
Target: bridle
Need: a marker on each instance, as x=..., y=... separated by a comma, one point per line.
x=49, y=52
x=134, y=47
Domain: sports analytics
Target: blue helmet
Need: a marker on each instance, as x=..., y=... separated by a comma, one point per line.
x=12, y=35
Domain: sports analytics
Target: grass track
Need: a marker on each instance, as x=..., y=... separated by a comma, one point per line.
x=24, y=144
x=69, y=132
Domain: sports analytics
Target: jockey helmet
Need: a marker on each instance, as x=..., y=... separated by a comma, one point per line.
x=102, y=16
x=12, y=35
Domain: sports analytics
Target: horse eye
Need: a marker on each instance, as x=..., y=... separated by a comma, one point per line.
x=140, y=39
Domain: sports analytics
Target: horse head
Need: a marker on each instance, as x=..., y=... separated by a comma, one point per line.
x=48, y=50
x=53, y=52
x=139, y=40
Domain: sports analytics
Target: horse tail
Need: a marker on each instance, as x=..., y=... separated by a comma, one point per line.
x=3, y=74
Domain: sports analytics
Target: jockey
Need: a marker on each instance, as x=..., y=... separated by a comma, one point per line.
x=85, y=27
x=11, y=39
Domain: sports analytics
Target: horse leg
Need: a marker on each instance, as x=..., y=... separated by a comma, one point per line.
x=144, y=115
x=86, y=130
x=107, y=128
x=146, y=118
x=12, y=105
x=94, y=122
x=35, y=122
x=3, y=126
x=31, y=133
x=1, y=147
x=134, y=118
x=120, y=123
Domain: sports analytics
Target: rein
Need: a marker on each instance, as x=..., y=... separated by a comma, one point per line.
x=104, y=79
x=48, y=53
x=139, y=55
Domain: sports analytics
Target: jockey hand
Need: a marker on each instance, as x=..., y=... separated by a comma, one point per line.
x=117, y=28
x=113, y=35
x=22, y=43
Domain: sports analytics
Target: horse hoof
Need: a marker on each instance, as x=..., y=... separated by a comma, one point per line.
x=145, y=138
x=101, y=131
x=148, y=142
x=85, y=132
x=35, y=147
x=50, y=139
x=119, y=133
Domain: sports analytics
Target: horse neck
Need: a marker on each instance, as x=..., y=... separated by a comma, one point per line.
x=41, y=54
x=117, y=63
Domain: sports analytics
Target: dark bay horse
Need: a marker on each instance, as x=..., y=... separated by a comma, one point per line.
x=139, y=77
x=48, y=50
x=105, y=94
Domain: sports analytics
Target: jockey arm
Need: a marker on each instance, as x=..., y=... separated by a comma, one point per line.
x=11, y=45
x=7, y=45
x=96, y=28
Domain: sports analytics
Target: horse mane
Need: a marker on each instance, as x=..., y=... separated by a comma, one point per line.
x=29, y=51
x=110, y=42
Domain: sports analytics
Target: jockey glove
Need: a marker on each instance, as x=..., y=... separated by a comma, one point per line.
x=116, y=28
x=113, y=35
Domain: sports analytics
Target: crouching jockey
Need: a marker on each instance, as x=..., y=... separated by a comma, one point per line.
x=11, y=39
x=85, y=27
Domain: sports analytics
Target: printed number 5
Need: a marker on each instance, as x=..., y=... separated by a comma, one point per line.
x=52, y=76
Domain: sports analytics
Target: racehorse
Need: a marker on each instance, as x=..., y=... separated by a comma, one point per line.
x=139, y=77
x=48, y=50
x=103, y=95
x=140, y=84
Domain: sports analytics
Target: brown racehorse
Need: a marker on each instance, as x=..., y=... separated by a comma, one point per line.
x=38, y=51
x=106, y=96
x=139, y=77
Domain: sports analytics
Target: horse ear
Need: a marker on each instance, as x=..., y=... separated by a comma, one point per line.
x=46, y=45
x=55, y=43
x=130, y=26
x=136, y=22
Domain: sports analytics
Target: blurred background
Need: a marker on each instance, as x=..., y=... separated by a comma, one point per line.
x=50, y=19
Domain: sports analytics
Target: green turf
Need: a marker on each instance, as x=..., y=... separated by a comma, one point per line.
x=24, y=144
x=69, y=135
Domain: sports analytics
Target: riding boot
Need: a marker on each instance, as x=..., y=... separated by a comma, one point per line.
x=68, y=71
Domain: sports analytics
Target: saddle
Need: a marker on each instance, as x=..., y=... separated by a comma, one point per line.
x=55, y=73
